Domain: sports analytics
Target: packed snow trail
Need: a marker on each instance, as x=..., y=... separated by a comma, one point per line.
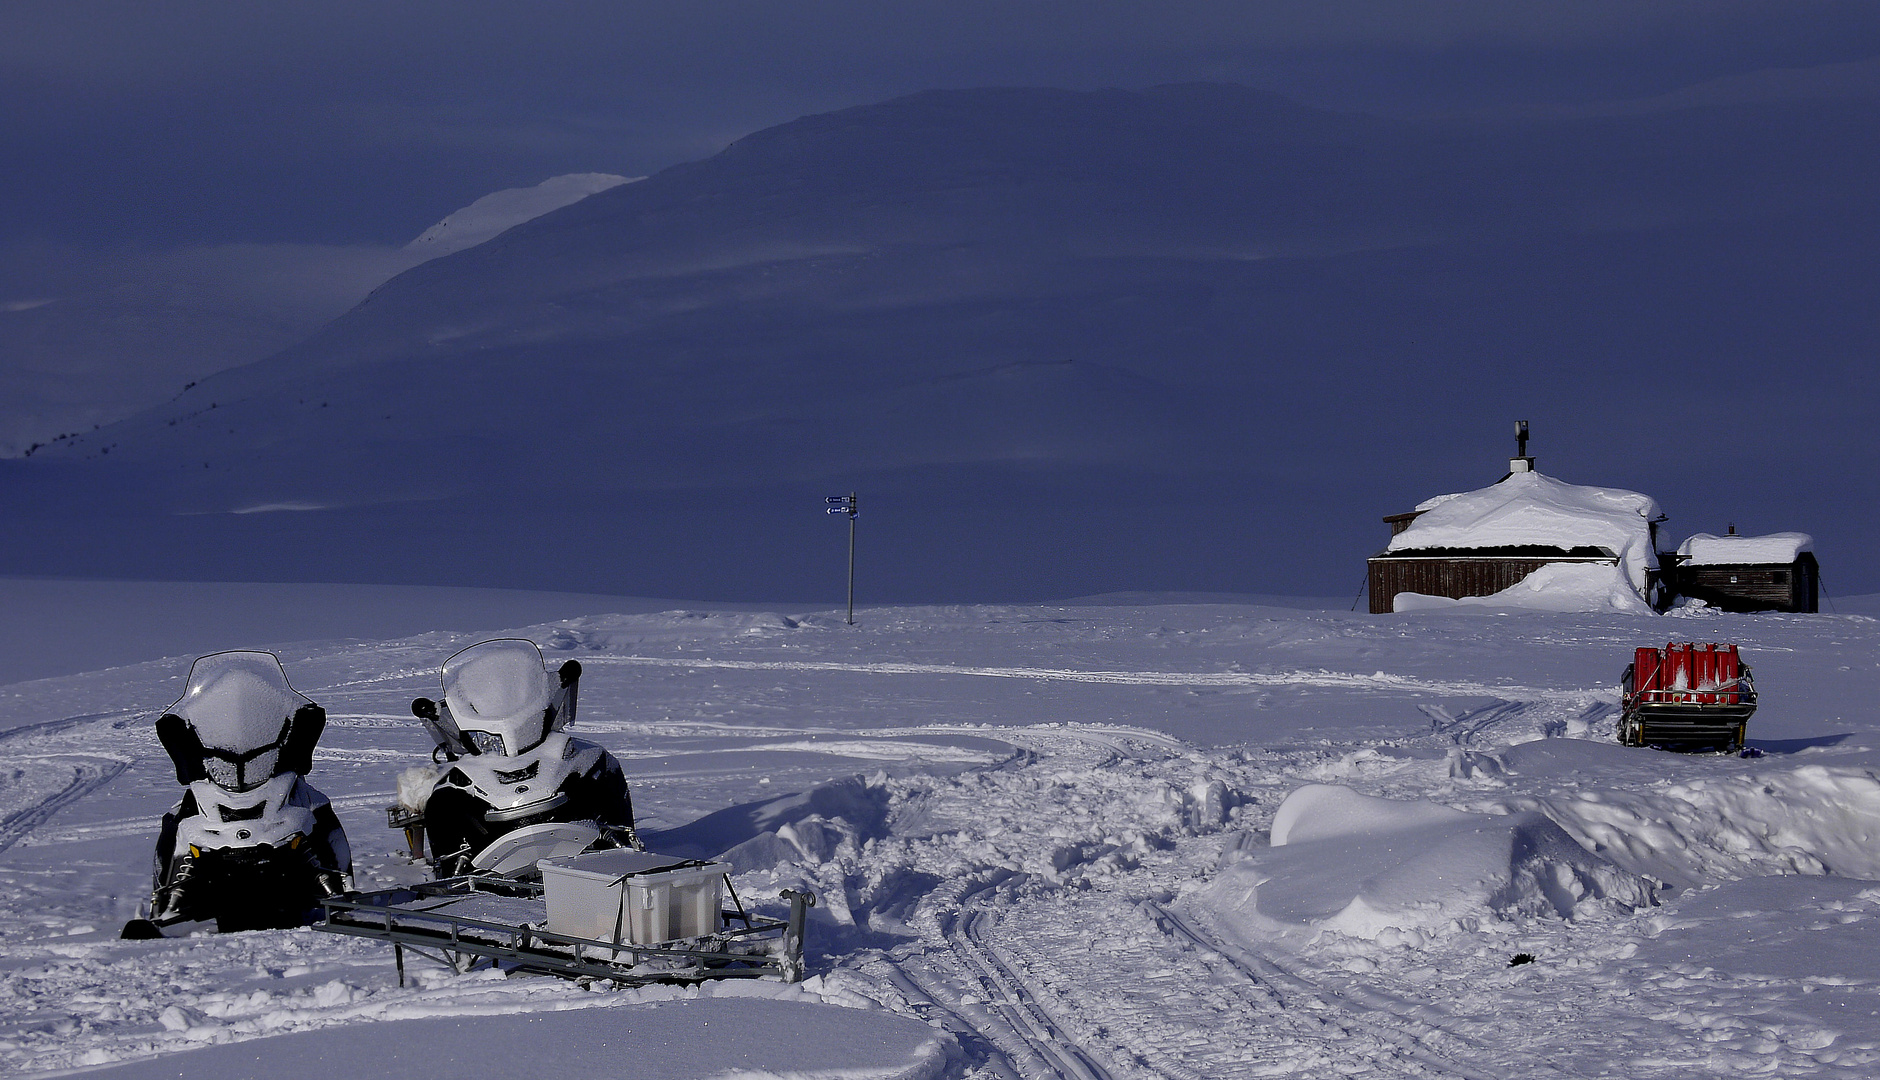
x=1326, y=679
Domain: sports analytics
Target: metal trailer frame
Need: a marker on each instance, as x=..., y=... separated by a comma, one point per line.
x=1687, y=719
x=761, y=947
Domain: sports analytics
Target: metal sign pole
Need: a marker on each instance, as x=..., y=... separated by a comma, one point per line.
x=848, y=505
x=852, y=507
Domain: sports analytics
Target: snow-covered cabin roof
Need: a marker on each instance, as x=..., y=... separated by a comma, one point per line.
x=1529, y=509
x=1780, y=548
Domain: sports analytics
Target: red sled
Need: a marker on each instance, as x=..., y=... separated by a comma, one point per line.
x=1686, y=697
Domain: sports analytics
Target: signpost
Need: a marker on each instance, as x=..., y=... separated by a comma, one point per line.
x=848, y=505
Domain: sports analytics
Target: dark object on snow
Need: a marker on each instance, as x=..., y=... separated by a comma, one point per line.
x=1521, y=958
x=251, y=845
x=1686, y=697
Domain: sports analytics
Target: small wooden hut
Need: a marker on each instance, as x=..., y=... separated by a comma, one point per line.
x=1775, y=572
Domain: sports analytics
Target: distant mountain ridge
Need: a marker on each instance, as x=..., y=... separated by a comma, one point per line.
x=99, y=353
x=1047, y=323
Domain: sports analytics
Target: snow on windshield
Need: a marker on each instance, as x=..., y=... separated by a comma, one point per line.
x=494, y=681
x=238, y=700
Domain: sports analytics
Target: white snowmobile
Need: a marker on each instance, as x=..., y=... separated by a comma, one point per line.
x=251, y=845
x=507, y=764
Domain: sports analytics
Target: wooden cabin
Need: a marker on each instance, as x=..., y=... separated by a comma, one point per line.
x=1777, y=572
x=1460, y=572
x=1479, y=543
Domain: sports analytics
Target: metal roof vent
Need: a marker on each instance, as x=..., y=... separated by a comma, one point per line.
x=1521, y=462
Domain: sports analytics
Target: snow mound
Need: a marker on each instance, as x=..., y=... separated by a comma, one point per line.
x=503, y=210
x=1328, y=811
x=1704, y=549
x=1378, y=869
x=1815, y=819
x=1529, y=509
x=1554, y=587
x=807, y=827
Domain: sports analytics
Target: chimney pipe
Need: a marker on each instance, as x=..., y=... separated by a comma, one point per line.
x=1521, y=462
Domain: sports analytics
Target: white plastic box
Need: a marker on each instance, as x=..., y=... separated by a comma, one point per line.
x=650, y=898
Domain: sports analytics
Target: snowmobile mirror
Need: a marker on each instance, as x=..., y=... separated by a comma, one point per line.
x=302, y=734
x=561, y=714
x=442, y=728
x=184, y=747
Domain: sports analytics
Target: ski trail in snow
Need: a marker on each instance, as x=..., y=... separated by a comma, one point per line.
x=1327, y=679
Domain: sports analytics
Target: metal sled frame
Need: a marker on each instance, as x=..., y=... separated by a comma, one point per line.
x=1689, y=719
x=770, y=947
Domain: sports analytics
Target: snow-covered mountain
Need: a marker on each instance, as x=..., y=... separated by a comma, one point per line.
x=500, y=211
x=123, y=336
x=1189, y=337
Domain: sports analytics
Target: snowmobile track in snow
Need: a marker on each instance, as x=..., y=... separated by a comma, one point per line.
x=985, y=1004
x=1293, y=993
x=90, y=775
x=1462, y=728
x=1014, y=1000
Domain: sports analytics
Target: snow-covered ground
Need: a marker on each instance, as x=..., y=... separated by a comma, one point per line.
x=1107, y=839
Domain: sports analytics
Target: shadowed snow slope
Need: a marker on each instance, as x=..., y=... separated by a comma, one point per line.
x=1112, y=336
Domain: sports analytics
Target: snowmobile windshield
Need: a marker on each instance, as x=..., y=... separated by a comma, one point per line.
x=241, y=708
x=500, y=696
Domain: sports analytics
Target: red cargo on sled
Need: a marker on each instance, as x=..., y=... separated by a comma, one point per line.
x=1686, y=697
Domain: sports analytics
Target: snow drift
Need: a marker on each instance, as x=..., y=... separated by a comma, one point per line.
x=1555, y=587
x=1376, y=868
x=1815, y=819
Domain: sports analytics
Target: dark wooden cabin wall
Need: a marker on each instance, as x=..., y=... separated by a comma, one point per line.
x=1454, y=578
